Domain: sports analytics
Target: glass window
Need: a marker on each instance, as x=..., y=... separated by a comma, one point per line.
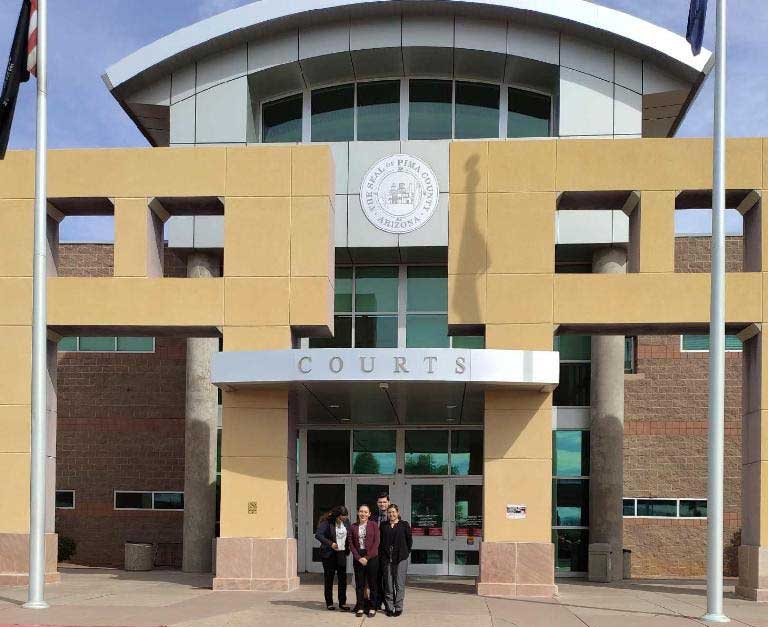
x=136, y=344
x=374, y=453
x=376, y=289
x=169, y=500
x=65, y=499
x=430, y=109
x=325, y=496
x=573, y=390
x=468, y=341
x=693, y=509
x=368, y=494
x=427, y=331
x=571, y=502
x=571, y=457
x=68, y=344
x=97, y=344
x=629, y=355
x=469, y=510
x=333, y=115
x=629, y=507
x=281, y=120
x=574, y=347
x=571, y=550
x=328, y=452
x=427, y=288
x=654, y=507
x=343, y=298
x=342, y=335
x=426, y=452
x=701, y=343
x=477, y=110
x=378, y=111
x=466, y=453
x=133, y=500
x=375, y=331
x=427, y=509
x=528, y=114
x=426, y=556
x=466, y=558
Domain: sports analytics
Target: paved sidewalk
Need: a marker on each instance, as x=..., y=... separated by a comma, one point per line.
x=91, y=597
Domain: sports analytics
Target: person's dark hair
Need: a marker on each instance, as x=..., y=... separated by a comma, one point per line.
x=394, y=507
x=333, y=515
x=383, y=495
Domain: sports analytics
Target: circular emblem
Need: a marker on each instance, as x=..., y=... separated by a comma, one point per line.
x=399, y=194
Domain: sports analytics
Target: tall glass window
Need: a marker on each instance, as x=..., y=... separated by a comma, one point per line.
x=333, y=114
x=328, y=452
x=378, y=111
x=374, y=452
x=281, y=120
x=427, y=306
x=376, y=306
x=466, y=452
x=477, y=110
x=426, y=452
x=528, y=114
x=431, y=109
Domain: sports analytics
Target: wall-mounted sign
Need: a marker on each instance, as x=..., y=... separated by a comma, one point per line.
x=399, y=194
x=516, y=511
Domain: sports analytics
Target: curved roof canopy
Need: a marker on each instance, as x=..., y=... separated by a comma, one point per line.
x=231, y=27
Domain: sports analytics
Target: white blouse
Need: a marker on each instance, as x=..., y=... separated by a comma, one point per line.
x=362, y=531
x=341, y=536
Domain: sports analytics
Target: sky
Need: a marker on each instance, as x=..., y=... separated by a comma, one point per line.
x=87, y=36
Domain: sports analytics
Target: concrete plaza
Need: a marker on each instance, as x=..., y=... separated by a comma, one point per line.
x=91, y=597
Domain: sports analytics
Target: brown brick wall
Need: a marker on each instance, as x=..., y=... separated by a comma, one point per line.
x=665, y=441
x=120, y=426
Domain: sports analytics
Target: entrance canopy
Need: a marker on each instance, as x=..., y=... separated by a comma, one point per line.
x=388, y=385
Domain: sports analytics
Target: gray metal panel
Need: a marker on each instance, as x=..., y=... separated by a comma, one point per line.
x=221, y=113
x=428, y=30
x=586, y=104
x=277, y=81
x=340, y=152
x=436, y=154
x=434, y=232
x=362, y=155
x=585, y=56
x=183, y=83
x=628, y=112
x=209, y=232
x=533, y=43
x=340, y=221
x=273, y=50
x=180, y=231
x=620, y=227
x=656, y=81
x=584, y=226
x=362, y=234
x=328, y=69
x=183, y=122
x=629, y=71
x=428, y=61
x=383, y=31
x=321, y=39
x=158, y=93
x=378, y=63
x=480, y=65
x=222, y=67
x=537, y=74
x=480, y=34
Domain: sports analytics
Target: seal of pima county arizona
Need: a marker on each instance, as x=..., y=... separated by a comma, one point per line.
x=399, y=194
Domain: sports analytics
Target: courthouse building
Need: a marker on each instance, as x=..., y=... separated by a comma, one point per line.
x=422, y=248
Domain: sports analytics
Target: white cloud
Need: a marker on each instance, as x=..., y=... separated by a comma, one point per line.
x=207, y=8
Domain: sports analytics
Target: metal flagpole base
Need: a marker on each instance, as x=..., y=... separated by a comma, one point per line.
x=35, y=605
x=716, y=618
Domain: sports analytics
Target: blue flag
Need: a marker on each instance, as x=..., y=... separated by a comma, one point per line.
x=697, y=15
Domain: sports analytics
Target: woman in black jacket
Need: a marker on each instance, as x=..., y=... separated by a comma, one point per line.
x=333, y=535
x=394, y=549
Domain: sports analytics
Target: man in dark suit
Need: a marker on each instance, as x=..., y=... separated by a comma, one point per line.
x=380, y=517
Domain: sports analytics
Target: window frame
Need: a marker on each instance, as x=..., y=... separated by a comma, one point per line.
x=74, y=497
x=555, y=477
x=661, y=498
x=114, y=350
x=540, y=92
x=272, y=100
x=144, y=509
x=699, y=350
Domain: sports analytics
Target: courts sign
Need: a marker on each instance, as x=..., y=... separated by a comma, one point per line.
x=399, y=194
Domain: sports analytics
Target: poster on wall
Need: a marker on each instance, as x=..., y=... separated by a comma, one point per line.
x=516, y=511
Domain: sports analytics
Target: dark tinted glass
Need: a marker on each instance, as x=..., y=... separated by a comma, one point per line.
x=466, y=453
x=469, y=510
x=328, y=452
x=281, y=120
x=136, y=344
x=342, y=335
x=169, y=500
x=133, y=500
x=649, y=507
x=375, y=331
x=427, y=331
x=571, y=503
x=426, y=452
x=468, y=341
x=97, y=344
x=528, y=114
x=571, y=457
x=693, y=509
x=68, y=344
x=65, y=499
x=430, y=109
x=573, y=390
x=427, y=288
x=376, y=289
x=477, y=110
x=343, y=297
x=378, y=111
x=373, y=453
x=629, y=507
x=571, y=550
x=333, y=118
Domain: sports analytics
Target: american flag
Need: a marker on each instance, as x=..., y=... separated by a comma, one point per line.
x=32, y=40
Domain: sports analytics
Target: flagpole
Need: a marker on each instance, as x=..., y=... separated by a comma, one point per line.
x=717, y=338
x=36, y=596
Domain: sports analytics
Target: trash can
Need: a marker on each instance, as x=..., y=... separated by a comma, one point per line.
x=139, y=556
x=627, y=564
x=601, y=563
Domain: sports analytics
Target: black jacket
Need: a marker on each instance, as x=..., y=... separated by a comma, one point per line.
x=326, y=535
x=396, y=542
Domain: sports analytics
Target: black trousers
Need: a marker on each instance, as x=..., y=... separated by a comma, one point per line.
x=380, y=578
x=368, y=574
x=335, y=566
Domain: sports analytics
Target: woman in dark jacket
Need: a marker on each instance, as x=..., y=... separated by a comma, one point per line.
x=333, y=535
x=396, y=543
x=364, y=543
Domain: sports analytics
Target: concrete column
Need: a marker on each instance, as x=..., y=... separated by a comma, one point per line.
x=200, y=438
x=606, y=489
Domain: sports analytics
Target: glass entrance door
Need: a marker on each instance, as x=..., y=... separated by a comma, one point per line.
x=466, y=528
x=426, y=508
x=323, y=495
